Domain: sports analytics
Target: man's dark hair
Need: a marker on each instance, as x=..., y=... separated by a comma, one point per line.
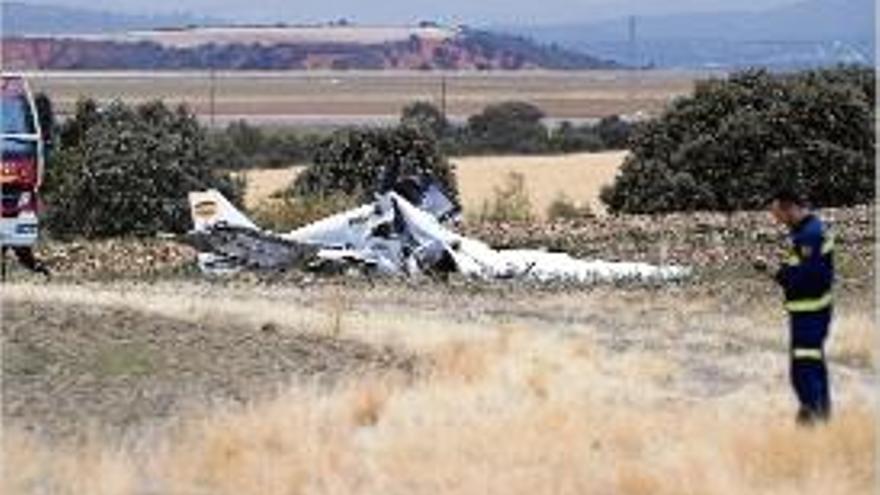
x=788, y=196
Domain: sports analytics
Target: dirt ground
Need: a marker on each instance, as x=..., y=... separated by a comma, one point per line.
x=68, y=366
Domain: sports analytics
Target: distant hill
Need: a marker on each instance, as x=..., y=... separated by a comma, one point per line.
x=341, y=47
x=811, y=32
x=28, y=19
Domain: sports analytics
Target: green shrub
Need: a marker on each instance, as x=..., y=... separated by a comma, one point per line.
x=733, y=141
x=567, y=138
x=425, y=117
x=127, y=171
x=243, y=146
x=352, y=162
x=563, y=208
x=614, y=132
x=510, y=127
x=515, y=127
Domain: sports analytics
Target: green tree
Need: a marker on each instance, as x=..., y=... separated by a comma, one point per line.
x=734, y=140
x=567, y=138
x=614, y=132
x=249, y=140
x=352, y=161
x=512, y=126
x=127, y=171
x=425, y=117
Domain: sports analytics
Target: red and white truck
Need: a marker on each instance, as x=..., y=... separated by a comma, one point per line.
x=24, y=146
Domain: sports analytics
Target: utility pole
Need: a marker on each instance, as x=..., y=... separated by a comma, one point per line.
x=634, y=62
x=443, y=96
x=212, y=98
x=633, y=42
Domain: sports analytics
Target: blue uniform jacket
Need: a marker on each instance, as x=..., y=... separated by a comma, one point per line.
x=807, y=273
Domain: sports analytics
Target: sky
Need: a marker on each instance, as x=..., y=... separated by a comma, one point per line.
x=473, y=12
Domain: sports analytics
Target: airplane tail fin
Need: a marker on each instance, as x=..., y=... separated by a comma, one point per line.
x=210, y=208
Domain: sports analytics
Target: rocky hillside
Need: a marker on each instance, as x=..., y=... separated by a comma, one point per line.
x=292, y=48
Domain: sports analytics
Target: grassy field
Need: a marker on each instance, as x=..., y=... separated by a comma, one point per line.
x=248, y=389
x=578, y=177
x=333, y=98
x=131, y=374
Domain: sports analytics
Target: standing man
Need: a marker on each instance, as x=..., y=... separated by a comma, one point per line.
x=807, y=278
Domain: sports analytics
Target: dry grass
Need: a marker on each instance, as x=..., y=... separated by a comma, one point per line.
x=524, y=396
x=531, y=420
x=579, y=177
x=855, y=340
x=262, y=183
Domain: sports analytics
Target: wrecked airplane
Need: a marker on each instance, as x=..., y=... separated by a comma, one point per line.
x=405, y=231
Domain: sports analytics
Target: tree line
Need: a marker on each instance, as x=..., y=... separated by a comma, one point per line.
x=506, y=128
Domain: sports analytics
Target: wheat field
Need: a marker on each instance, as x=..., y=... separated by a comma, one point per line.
x=586, y=392
x=579, y=177
x=262, y=183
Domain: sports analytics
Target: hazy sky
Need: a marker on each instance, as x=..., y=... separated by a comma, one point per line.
x=476, y=12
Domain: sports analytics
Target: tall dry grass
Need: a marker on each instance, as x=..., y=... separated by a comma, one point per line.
x=263, y=183
x=578, y=177
x=520, y=412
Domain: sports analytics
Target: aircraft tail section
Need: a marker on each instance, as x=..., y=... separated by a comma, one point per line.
x=228, y=241
x=210, y=208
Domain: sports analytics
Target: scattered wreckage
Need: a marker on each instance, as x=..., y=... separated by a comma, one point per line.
x=405, y=231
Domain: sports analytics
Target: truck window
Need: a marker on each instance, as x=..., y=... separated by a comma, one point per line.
x=17, y=149
x=17, y=116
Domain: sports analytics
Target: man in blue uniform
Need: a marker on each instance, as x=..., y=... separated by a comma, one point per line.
x=807, y=278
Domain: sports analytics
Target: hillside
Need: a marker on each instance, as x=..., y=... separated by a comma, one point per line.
x=807, y=33
x=334, y=47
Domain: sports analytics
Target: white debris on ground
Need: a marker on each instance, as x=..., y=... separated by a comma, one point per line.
x=394, y=236
x=552, y=267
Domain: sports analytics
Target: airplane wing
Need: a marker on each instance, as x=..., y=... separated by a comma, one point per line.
x=346, y=230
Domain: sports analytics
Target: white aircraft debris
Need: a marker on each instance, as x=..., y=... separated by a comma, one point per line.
x=402, y=233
